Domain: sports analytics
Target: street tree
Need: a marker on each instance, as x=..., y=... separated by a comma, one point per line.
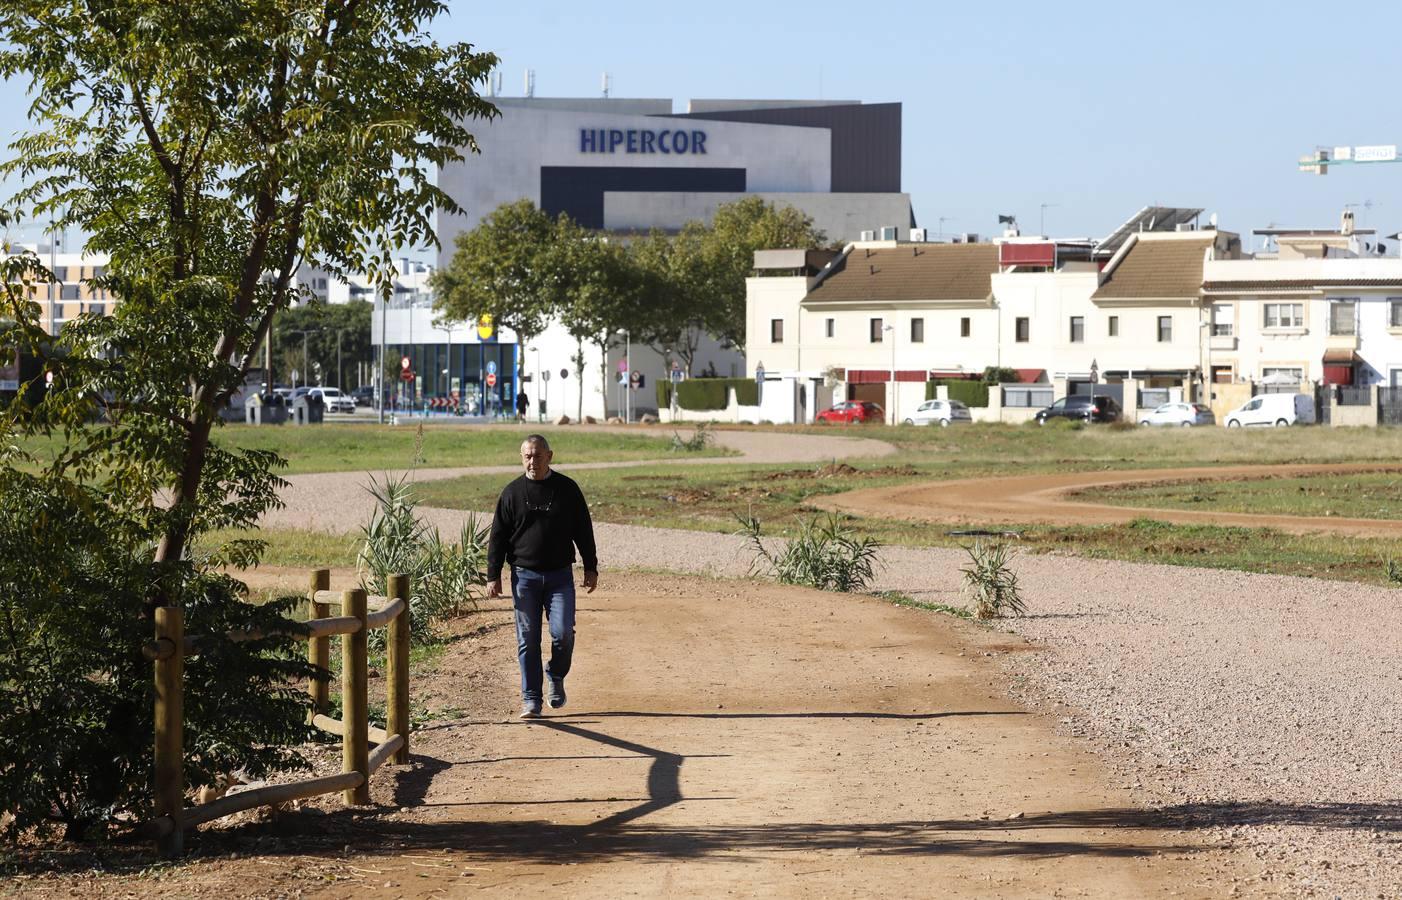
x=726, y=249
x=209, y=150
x=496, y=271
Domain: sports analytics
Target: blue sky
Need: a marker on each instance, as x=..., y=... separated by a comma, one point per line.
x=1098, y=109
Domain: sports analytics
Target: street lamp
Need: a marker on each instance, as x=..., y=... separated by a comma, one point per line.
x=628, y=382
x=540, y=399
x=306, y=371
x=892, y=330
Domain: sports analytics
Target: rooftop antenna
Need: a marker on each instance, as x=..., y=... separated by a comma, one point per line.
x=530, y=82
x=606, y=81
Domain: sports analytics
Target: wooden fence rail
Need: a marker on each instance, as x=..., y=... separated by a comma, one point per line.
x=172, y=647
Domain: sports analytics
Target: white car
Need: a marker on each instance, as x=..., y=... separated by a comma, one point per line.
x=1179, y=414
x=1273, y=409
x=331, y=398
x=940, y=412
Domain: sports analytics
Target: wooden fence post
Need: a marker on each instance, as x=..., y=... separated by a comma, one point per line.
x=170, y=728
x=318, y=648
x=355, y=740
x=398, y=689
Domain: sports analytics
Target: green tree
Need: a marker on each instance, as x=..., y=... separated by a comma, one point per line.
x=673, y=313
x=496, y=270
x=725, y=256
x=325, y=324
x=209, y=150
x=598, y=291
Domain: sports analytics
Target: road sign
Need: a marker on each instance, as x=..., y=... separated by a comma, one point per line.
x=485, y=328
x=636, y=379
x=406, y=375
x=623, y=365
x=677, y=375
x=404, y=362
x=545, y=376
x=564, y=373
x=491, y=367
x=491, y=379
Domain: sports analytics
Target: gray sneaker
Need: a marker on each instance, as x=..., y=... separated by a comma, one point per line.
x=530, y=710
x=555, y=693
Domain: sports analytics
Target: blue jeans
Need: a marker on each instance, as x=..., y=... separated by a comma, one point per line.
x=550, y=594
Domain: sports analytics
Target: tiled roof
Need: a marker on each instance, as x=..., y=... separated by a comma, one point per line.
x=911, y=272
x=1158, y=269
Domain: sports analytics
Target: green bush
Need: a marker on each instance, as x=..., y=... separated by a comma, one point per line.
x=970, y=393
x=825, y=554
x=703, y=394
x=76, y=696
x=664, y=394
x=444, y=578
x=990, y=582
x=746, y=391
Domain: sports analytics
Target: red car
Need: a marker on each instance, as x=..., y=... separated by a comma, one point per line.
x=850, y=411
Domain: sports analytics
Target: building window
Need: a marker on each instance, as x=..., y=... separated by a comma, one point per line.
x=1343, y=317
x=60, y=273
x=917, y=331
x=1165, y=329
x=1223, y=318
x=1285, y=315
x=1078, y=329
x=831, y=327
x=876, y=326
x=1394, y=313
x=776, y=331
x=1023, y=328
x=69, y=292
x=965, y=326
x=1114, y=326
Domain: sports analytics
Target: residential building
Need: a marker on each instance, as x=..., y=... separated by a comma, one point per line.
x=72, y=293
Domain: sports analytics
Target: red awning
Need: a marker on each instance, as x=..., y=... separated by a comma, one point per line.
x=961, y=374
x=1340, y=357
x=1030, y=376
x=1338, y=374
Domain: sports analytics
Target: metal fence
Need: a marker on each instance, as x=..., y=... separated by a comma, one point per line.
x=1030, y=397
x=1275, y=389
x=1390, y=406
x=1355, y=396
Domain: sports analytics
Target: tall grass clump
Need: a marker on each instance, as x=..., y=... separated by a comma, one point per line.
x=990, y=583
x=825, y=554
x=700, y=439
x=446, y=579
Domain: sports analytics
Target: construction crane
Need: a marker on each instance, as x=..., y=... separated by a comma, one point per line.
x=1322, y=158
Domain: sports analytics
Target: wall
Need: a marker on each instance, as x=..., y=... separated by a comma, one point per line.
x=842, y=217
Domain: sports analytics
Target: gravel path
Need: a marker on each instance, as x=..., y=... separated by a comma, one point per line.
x=1265, y=708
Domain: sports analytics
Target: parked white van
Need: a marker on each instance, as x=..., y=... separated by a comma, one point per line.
x=1273, y=409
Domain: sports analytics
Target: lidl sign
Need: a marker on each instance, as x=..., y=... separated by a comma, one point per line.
x=679, y=141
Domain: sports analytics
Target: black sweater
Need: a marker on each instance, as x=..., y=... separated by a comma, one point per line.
x=538, y=524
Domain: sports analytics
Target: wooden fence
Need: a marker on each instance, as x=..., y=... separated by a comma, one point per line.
x=171, y=648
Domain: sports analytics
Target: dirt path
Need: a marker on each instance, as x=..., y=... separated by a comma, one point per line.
x=729, y=737
x=1047, y=499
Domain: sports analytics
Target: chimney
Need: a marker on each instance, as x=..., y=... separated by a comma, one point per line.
x=1346, y=222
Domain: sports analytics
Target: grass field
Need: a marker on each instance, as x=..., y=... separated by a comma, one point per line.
x=1372, y=495
x=711, y=498
x=377, y=448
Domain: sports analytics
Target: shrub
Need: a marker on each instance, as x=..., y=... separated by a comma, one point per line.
x=700, y=439
x=444, y=578
x=990, y=583
x=970, y=393
x=705, y=394
x=75, y=692
x=825, y=554
x=1394, y=571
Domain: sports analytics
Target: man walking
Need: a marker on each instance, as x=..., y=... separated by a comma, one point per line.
x=540, y=519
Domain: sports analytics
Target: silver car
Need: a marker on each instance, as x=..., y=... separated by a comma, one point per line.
x=940, y=412
x=1180, y=414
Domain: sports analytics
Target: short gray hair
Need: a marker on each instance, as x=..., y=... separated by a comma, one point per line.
x=537, y=439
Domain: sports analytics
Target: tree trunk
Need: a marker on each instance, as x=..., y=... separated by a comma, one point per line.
x=579, y=376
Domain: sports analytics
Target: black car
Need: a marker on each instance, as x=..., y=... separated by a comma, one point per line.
x=1085, y=407
x=363, y=395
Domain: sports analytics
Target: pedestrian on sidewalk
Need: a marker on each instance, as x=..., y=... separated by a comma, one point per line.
x=523, y=404
x=540, y=519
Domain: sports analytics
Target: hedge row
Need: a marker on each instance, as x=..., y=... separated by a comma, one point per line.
x=970, y=393
x=708, y=394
